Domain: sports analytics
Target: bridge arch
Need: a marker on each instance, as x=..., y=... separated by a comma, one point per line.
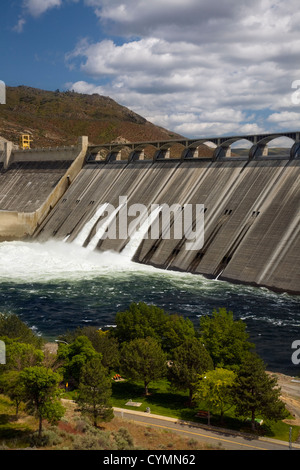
x=119, y=152
x=275, y=145
x=98, y=154
x=143, y=151
x=200, y=148
x=170, y=149
x=224, y=150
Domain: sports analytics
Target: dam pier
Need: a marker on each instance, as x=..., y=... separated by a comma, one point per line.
x=250, y=201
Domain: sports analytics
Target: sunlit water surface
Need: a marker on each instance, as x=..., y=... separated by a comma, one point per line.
x=56, y=286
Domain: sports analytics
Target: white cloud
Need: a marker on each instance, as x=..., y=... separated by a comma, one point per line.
x=35, y=8
x=196, y=67
x=38, y=7
x=284, y=116
x=84, y=87
x=18, y=28
x=199, y=66
x=286, y=120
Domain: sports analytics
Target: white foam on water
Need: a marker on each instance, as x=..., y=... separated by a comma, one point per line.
x=22, y=261
x=32, y=261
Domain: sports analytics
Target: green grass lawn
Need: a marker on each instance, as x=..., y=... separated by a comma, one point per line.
x=161, y=399
x=165, y=401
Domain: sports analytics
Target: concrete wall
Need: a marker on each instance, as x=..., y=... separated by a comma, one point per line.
x=251, y=213
x=16, y=224
x=12, y=155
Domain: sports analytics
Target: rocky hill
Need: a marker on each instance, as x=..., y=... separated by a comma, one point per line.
x=56, y=118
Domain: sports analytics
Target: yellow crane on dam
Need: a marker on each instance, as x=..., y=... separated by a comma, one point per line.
x=24, y=141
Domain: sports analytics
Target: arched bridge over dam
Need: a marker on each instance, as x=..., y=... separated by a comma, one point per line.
x=250, y=201
x=222, y=147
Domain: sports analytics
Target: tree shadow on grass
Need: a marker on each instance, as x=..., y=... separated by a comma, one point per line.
x=9, y=430
x=171, y=403
x=6, y=418
x=174, y=402
x=126, y=390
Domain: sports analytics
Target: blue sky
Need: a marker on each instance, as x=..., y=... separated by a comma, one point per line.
x=197, y=67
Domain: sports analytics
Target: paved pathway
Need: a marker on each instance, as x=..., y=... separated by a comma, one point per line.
x=221, y=438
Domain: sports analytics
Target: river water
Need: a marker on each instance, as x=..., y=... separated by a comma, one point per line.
x=56, y=286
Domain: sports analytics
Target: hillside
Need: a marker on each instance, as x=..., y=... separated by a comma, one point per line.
x=58, y=118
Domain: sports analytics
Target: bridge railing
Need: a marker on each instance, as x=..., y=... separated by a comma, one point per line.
x=216, y=148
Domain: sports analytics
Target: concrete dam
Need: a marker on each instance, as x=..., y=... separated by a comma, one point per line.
x=250, y=203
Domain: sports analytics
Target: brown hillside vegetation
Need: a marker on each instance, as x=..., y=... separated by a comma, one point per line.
x=143, y=437
x=55, y=118
x=74, y=432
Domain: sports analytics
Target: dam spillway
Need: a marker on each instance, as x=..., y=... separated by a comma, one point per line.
x=251, y=207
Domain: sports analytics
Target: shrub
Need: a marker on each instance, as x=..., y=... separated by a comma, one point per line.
x=123, y=439
x=89, y=441
x=49, y=438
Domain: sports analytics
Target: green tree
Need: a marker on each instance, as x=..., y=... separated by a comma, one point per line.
x=12, y=386
x=11, y=326
x=189, y=360
x=141, y=321
x=142, y=359
x=103, y=342
x=175, y=331
x=20, y=355
x=74, y=357
x=215, y=388
x=226, y=339
x=41, y=394
x=256, y=392
x=108, y=347
x=95, y=391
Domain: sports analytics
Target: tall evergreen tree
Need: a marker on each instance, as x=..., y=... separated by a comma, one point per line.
x=95, y=391
x=189, y=360
x=256, y=392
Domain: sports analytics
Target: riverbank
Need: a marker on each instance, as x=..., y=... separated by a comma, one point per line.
x=290, y=395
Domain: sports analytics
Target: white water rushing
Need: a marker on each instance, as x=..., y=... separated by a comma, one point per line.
x=53, y=260
x=30, y=262
x=41, y=262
